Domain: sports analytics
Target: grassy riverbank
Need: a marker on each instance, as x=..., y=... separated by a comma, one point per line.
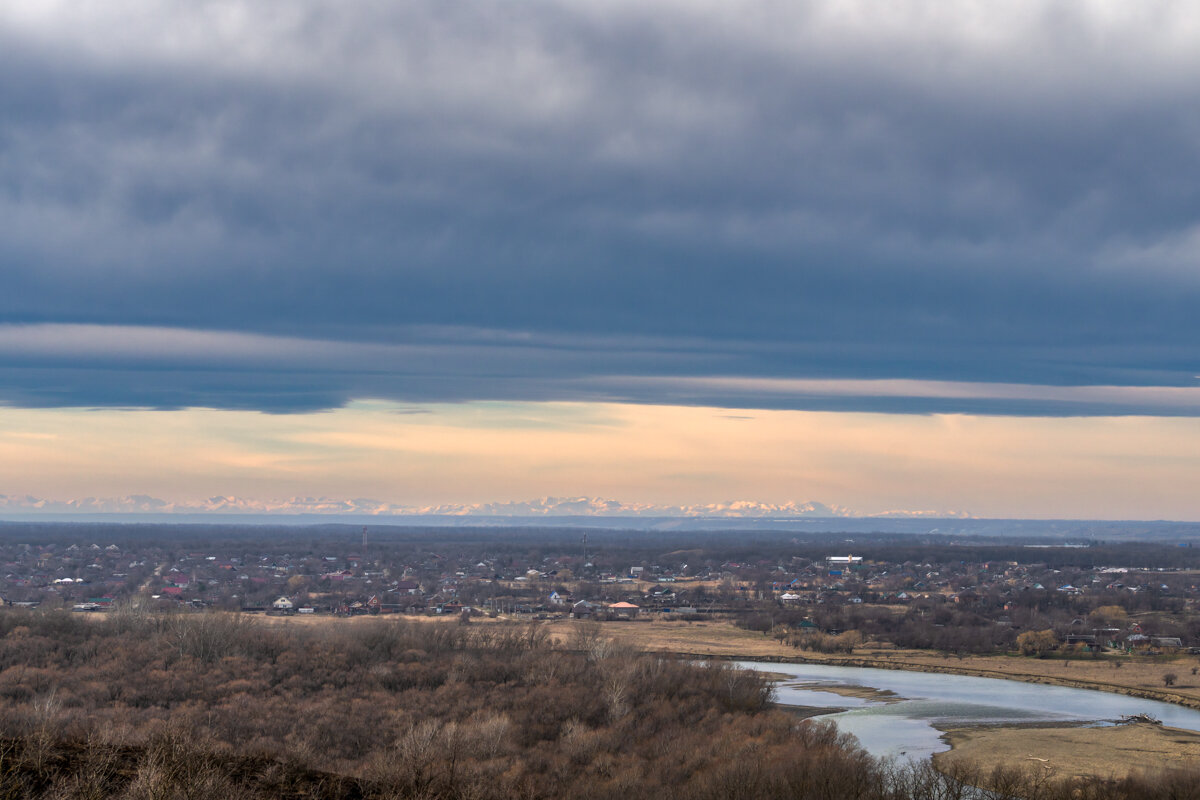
x=1073, y=751
x=1135, y=676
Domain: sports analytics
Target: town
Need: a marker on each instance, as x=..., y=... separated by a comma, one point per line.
x=824, y=592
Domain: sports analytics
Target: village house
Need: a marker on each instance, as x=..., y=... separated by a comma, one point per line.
x=623, y=610
x=583, y=610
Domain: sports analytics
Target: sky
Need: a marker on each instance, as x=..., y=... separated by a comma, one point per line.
x=913, y=255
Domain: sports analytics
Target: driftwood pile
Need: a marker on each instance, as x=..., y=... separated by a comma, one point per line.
x=1131, y=719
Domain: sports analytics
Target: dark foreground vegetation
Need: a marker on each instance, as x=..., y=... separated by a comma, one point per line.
x=211, y=705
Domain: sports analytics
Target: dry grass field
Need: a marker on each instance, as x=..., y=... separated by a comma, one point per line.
x=709, y=638
x=1064, y=752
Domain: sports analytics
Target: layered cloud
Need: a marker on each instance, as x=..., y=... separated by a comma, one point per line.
x=126, y=366
x=542, y=199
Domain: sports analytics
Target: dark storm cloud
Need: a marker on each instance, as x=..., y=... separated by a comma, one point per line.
x=541, y=200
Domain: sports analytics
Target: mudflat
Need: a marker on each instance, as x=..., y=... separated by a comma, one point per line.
x=848, y=690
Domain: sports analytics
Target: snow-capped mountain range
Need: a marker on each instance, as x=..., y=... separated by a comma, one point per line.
x=543, y=507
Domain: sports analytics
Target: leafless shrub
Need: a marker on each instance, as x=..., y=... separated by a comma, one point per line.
x=585, y=634
x=211, y=635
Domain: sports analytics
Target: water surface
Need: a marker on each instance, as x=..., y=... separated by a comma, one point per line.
x=909, y=728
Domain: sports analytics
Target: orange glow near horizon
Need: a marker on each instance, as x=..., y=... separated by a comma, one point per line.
x=1086, y=467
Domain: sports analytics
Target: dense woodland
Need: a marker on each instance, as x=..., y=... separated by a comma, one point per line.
x=141, y=705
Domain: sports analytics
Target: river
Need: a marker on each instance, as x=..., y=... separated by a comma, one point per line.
x=907, y=725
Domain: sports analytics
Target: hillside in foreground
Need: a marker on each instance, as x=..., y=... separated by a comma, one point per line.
x=205, y=705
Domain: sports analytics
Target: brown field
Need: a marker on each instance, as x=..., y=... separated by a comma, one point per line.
x=709, y=638
x=1065, y=752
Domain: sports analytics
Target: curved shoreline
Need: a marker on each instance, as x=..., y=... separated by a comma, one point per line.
x=1050, y=748
x=947, y=669
x=1065, y=749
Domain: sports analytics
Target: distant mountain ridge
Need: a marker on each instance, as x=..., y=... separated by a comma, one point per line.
x=542, y=507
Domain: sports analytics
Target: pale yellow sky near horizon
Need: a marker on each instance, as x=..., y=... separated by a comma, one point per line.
x=1076, y=467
